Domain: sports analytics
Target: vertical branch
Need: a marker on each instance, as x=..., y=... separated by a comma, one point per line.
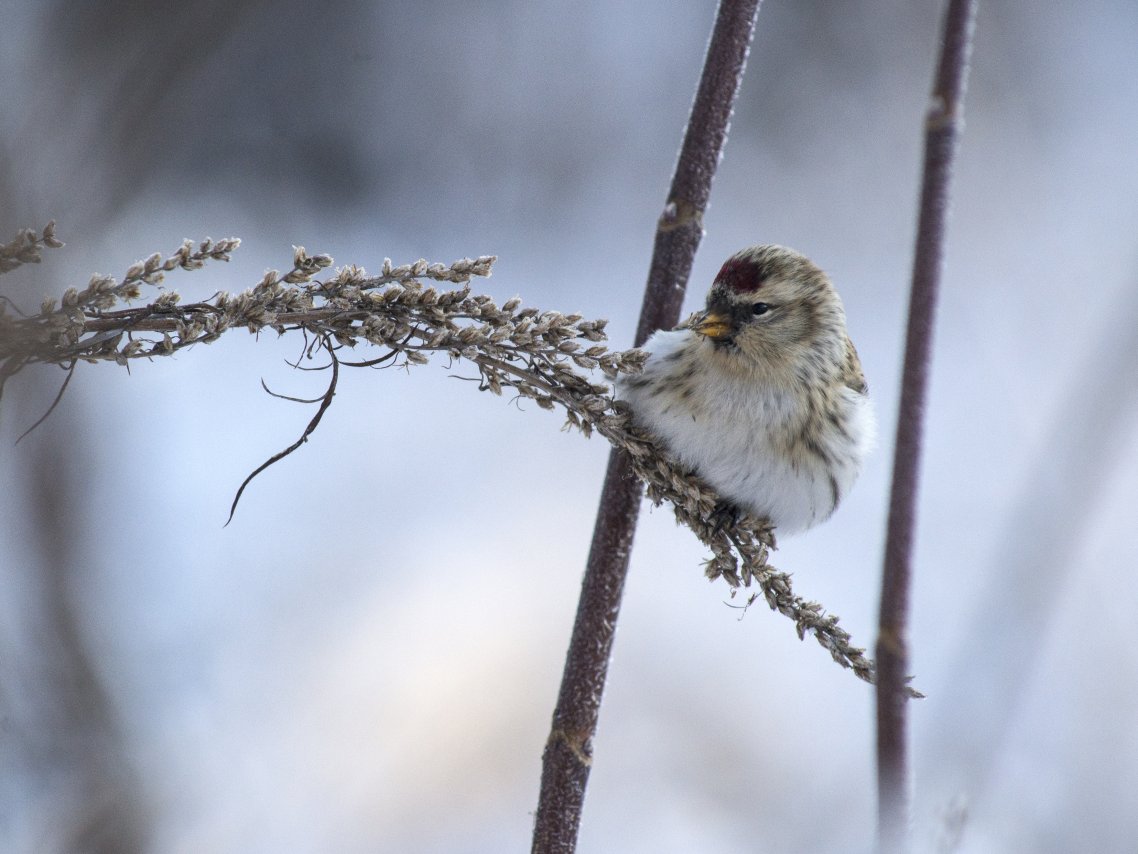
x=943, y=125
x=568, y=752
x=680, y=227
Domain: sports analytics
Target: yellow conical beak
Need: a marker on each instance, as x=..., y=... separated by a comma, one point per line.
x=715, y=326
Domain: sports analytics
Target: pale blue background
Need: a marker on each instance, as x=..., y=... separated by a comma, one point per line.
x=367, y=658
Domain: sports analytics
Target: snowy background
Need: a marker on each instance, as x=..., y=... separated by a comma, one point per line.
x=367, y=658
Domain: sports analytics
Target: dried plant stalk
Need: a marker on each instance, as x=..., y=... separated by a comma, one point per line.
x=567, y=758
x=943, y=125
x=26, y=246
x=545, y=356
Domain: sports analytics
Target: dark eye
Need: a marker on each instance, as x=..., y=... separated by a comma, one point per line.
x=760, y=308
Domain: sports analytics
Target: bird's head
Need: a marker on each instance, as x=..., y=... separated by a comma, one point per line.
x=774, y=309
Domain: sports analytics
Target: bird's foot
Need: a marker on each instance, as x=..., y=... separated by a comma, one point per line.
x=724, y=517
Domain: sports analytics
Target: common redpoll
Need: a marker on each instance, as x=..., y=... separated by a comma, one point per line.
x=761, y=394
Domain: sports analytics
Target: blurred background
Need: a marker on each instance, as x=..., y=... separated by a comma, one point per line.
x=367, y=658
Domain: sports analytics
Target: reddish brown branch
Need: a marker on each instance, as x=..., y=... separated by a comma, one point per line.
x=568, y=752
x=943, y=125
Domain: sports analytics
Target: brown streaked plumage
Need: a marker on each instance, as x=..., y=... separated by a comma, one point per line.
x=762, y=393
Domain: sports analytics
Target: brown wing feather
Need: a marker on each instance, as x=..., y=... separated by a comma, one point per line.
x=852, y=375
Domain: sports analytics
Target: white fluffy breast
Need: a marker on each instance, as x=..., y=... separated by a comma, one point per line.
x=750, y=439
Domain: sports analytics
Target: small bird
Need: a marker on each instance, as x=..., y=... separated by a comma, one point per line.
x=761, y=394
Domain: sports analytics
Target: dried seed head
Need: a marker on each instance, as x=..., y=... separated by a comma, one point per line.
x=537, y=355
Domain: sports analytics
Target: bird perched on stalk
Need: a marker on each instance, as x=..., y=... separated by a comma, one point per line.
x=761, y=394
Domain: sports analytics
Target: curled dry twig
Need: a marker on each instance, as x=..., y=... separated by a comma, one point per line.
x=539, y=355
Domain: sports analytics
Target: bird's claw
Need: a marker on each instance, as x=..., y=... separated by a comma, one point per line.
x=724, y=517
